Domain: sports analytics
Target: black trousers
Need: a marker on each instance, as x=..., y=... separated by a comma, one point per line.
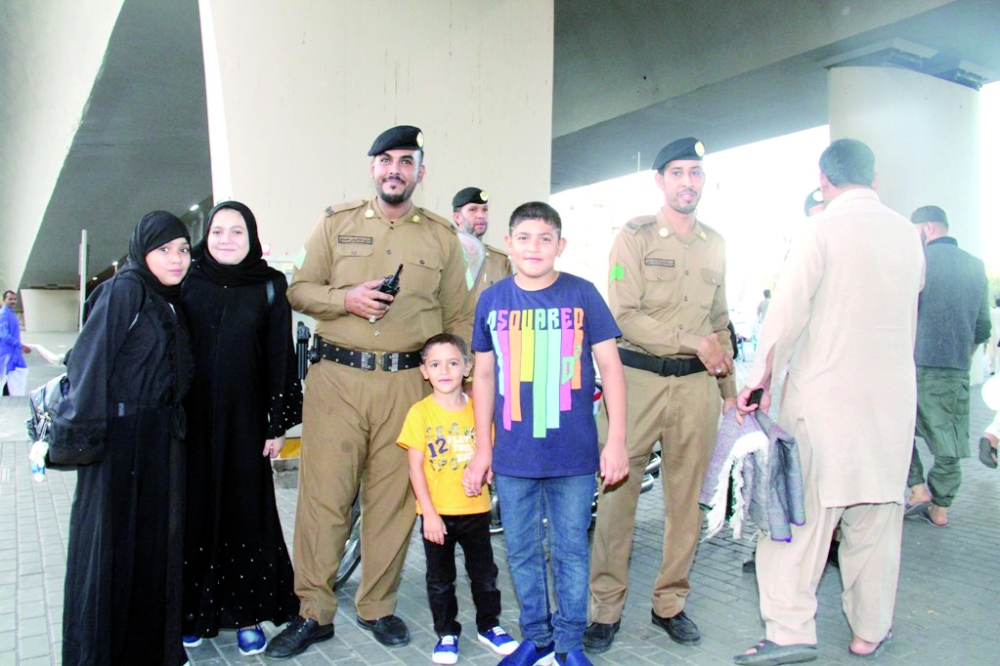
x=472, y=532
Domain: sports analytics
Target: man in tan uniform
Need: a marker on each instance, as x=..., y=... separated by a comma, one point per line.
x=843, y=321
x=472, y=215
x=667, y=290
x=359, y=393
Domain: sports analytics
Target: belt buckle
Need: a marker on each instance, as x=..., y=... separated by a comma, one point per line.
x=367, y=360
x=390, y=362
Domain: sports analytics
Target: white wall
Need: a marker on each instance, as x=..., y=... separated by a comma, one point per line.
x=50, y=309
x=298, y=91
x=925, y=134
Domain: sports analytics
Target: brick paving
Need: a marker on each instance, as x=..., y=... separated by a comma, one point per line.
x=946, y=611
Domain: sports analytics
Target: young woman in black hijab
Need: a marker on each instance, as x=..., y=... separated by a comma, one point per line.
x=245, y=395
x=122, y=427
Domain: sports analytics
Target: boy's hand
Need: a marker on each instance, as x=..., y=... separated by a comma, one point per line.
x=477, y=473
x=614, y=463
x=434, y=529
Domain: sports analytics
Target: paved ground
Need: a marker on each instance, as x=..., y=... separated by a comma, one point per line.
x=946, y=611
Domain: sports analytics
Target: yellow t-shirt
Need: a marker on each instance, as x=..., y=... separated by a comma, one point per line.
x=448, y=440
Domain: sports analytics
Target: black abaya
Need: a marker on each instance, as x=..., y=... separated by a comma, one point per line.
x=237, y=569
x=128, y=371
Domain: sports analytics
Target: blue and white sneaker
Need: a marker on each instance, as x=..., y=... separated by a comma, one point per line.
x=446, y=650
x=251, y=641
x=529, y=654
x=498, y=640
x=191, y=641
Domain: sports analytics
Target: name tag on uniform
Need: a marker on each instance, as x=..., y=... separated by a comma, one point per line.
x=354, y=240
x=668, y=263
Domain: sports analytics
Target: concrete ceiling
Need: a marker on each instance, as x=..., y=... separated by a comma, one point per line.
x=142, y=142
x=630, y=75
x=721, y=74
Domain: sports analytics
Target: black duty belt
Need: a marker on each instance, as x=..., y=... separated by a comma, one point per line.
x=368, y=360
x=665, y=367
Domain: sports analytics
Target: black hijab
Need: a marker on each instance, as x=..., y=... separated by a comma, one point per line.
x=251, y=270
x=154, y=229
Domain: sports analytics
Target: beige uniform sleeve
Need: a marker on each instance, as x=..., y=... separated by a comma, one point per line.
x=457, y=309
x=719, y=315
x=310, y=291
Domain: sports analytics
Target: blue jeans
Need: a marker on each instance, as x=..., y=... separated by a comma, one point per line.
x=565, y=502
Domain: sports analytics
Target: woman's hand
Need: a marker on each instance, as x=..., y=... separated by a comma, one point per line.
x=272, y=447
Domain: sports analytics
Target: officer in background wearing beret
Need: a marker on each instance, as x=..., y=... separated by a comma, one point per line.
x=667, y=290
x=472, y=215
x=358, y=395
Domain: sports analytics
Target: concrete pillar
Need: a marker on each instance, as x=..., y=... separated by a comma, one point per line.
x=50, y=309
x=298, y=91
x=925, y=134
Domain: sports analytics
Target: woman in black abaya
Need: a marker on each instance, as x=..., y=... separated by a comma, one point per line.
x=245, y=395
x=122, y=427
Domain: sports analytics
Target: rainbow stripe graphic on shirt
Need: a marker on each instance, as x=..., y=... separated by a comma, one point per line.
x=541, y=346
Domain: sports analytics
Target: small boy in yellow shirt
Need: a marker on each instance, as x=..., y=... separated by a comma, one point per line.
x=440, y=437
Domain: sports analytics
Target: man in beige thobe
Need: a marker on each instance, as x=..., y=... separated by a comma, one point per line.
x=843, y=320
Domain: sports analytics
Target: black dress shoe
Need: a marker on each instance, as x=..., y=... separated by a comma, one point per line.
x=389, y=630
x=750, y=566
x=680, y=627
x=598, y=637
x=297, y=636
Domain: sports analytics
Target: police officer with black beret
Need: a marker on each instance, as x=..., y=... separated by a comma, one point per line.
x=359, y=393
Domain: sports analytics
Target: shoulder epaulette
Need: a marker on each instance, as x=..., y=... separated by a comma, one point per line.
x=637, y=223
x=490, y=248
x=448, y=224
x=709, y=231
x=350, y=205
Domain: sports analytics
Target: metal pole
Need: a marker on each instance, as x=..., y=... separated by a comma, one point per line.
x=84, y=251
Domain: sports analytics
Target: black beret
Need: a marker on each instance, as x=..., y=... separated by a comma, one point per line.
x=689, y=148
x=813, y=199
x=469, y=195
x=929, y=214
x=400, y=137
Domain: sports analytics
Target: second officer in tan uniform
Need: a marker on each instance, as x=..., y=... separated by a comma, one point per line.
x=471, y=212
x=667, y=291
x=359, y=393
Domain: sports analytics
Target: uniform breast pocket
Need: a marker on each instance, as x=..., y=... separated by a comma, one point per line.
x=711, y=281
x=421, y=272
x=659, y=286
x=351, y=265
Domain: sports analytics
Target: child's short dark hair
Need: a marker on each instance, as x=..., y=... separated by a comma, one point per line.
x=536, y=210
x=445, y=339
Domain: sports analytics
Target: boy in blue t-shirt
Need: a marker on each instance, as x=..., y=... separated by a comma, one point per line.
x=536, y=336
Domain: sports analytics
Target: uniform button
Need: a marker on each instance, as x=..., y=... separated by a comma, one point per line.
x=663, y=233
x=680, y=327
x=415, y=218
x=685, y=299
x=421, y=262
x=388, y=251
x=354, y=252
x=687, y=272
x=369, y=213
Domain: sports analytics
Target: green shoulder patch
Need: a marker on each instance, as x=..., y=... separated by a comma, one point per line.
x=617, y=273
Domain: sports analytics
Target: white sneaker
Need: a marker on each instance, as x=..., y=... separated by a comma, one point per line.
x=446, y=650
